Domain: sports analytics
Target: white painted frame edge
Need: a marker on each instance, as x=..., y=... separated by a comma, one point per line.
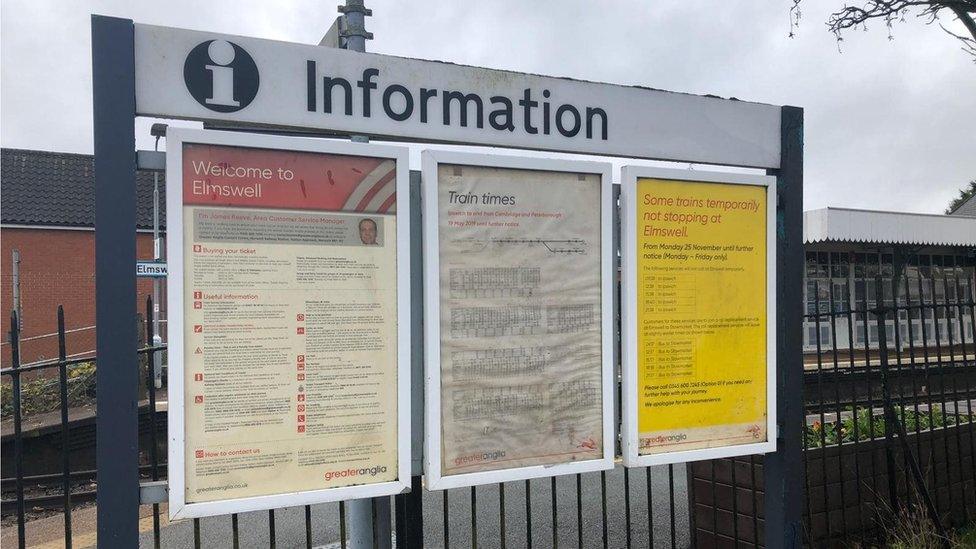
x=430, y=160
x=175, y=139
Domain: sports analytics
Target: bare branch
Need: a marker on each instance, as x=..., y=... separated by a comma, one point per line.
x=891, y=11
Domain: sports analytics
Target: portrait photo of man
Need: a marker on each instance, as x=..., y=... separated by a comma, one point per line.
x=367, y=231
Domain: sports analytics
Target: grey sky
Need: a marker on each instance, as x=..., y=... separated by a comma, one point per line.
x=889, y=124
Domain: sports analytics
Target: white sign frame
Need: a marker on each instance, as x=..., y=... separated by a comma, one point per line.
x=628, y=317
x=434, y=478
x=178, y=507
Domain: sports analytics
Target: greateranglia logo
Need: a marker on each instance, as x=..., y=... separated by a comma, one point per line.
x=343, y=473
x=221, y=76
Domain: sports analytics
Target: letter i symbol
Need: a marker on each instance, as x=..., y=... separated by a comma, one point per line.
x=222, y=92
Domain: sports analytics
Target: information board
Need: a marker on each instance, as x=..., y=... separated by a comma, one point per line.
x=699, y=266
x=518, y=318
x=289, y=333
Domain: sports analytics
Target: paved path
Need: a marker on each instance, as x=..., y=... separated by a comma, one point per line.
x=216, y=532
x=290, y=523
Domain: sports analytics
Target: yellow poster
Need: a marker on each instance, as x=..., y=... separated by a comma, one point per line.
x=701, y=281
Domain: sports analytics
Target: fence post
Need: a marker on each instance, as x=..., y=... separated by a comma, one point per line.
x=117, y=376
x=784, y=469
x=410, y=506
x=880, y=318
x=18, y=438
x=65, y=432
x=892, y=423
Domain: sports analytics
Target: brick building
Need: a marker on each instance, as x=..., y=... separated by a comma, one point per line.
x=47, y=207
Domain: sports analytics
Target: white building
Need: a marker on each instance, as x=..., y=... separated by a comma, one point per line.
x=919, y=254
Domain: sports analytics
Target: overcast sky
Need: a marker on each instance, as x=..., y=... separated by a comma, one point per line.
x=889, y=124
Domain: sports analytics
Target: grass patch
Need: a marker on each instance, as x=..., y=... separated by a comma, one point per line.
x=41, y=395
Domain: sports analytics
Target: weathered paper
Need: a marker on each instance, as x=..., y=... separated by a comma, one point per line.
x=290, y=330
x=520, y=318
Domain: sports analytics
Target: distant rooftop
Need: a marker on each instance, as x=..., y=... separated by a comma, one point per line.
x=967, y=208
x=852, y=225
x=42, y=188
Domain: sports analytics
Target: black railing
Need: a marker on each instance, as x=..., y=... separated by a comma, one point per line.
x=889, y=420
x=889, y=429
x=615, y=508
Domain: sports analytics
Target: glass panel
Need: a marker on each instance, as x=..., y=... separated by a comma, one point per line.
x=840, y=267
x=840, y=296
x=811, y=264
x=871, y=270
x=887, y=265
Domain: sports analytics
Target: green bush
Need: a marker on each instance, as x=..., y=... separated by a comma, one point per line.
x=44, y=394
x=865, y=425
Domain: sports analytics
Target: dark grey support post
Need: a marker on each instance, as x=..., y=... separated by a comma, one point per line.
x=117, y=378
x=410, y=506
x=784, y=470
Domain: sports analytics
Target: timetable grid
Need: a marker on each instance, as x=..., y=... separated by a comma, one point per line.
x=469, y=322
x=493, y=363
x=494, y=282
x=500, y=402
x=565, y=319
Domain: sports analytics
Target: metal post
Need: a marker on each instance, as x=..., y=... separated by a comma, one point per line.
x=117, y=443
x=16, y=288
x=158, y=130
x=410, y=506
x=784, y=469
x=354, y=31
x=368, y=519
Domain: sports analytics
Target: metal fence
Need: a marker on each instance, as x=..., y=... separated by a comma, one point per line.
x=888, y=429
x=53, y=469
x=889, y=424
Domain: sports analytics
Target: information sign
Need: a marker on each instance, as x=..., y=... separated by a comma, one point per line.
x=699, y=261
x=518, y=281
x=289, y=330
